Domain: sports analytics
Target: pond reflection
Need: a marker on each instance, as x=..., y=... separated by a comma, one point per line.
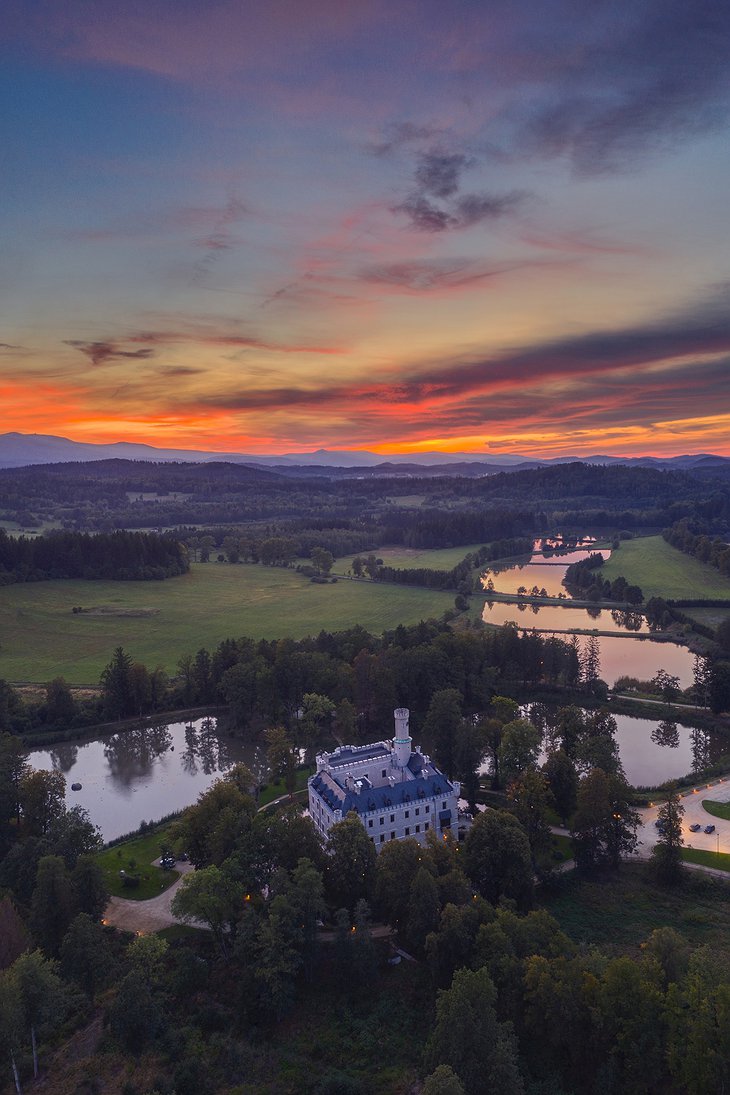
x=651, y=751
x=143, y=773
x=564, y=617
x=666, y=734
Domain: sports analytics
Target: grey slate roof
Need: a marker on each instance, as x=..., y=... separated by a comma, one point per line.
x=378, y=798
x=347, y=755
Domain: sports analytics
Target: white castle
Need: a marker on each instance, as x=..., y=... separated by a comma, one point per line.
x=394, y=789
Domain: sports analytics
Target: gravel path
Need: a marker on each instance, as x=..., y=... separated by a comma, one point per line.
x=146, y=916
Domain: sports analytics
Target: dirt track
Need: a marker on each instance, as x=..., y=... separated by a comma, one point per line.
x=146, y=916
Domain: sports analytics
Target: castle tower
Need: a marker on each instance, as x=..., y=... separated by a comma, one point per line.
x=402, y=740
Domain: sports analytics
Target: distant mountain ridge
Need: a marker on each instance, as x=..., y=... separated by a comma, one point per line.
x=21, y=450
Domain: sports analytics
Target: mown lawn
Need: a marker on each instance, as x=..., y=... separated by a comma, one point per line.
x=719, y=860
x=663, y=571
x=158, y=622
x=411, y=558
x=717, y=809
x=619, y=911
x=135, y=857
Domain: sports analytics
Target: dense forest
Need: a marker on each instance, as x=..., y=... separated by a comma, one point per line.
x=120, y=556
x=128, y=494
x=313, y=971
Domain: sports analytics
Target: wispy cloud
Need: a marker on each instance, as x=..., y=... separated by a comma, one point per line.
x=103, y=352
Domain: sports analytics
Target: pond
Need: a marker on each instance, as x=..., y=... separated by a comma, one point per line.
x=653, y=752
x=543, y=570
x=142, y=774
x=564, y=617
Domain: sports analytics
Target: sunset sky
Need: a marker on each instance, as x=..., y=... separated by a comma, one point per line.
x=268, y=227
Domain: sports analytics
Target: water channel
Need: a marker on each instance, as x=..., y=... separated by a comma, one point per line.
x=631, y=655
x=142, y=774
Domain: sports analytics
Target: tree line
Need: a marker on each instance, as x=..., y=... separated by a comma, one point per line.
x=119, y=556
x=694, y=538
x=582, y=576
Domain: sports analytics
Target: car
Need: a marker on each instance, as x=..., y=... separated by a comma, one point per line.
x=709, y=828
x=695, y=828
x=167, y=862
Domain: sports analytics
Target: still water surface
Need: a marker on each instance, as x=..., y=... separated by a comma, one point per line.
x=143, y=774
x=564, y=617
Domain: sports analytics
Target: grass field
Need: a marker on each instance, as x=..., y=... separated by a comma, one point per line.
x=135, y=857
x=619, y=911
x=719, y=860
x=398, y=556
x=158, y=622
x=717, y=809
x=710, y=617
x=663, y=571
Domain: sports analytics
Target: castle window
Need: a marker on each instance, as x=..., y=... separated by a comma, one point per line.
x=418, y=828
x=370, y=823
x=425, y=827
x=382, y=820
x=408, y=832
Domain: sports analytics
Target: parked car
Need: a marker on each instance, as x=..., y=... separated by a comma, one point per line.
x=695, y=828
x=709, y=828
x=167, y=862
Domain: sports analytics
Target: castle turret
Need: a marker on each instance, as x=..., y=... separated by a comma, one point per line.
x=402, y=740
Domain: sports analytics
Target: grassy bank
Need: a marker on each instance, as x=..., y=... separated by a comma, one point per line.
x=663, y=571
x=135, y=857
x=719, y=860
x=158, y=622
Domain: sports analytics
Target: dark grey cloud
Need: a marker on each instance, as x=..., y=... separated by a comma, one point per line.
x=423, y=214
x=437, y=203
x=654, y=74
x=463, y=212
x=439, y=173
x=101, y=353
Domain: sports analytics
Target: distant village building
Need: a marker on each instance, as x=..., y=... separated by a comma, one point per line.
x=395, y=790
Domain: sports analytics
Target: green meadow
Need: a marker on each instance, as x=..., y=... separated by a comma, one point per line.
x=157, y=622
x=663, y=571
x=398, y=556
